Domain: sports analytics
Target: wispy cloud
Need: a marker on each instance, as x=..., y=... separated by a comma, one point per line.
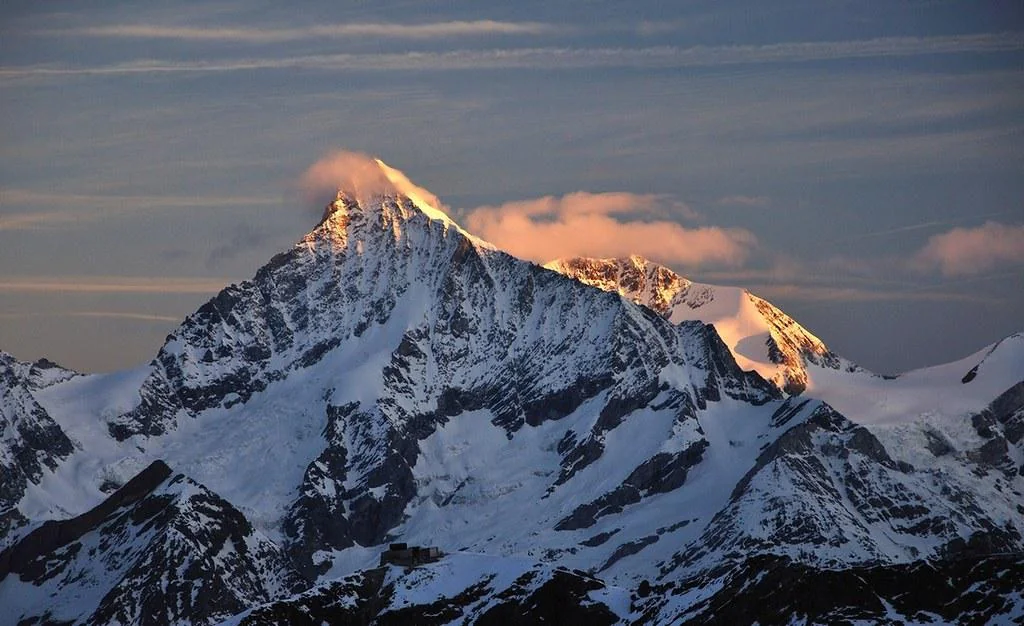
x=242, y=237
x=605, y=225
x=42, y=219
x=824, y=295
x=927, y=225
x=647, y=28
x=144, y=317
x=432, y=30
x=968, y=251
x=9, y=196
x=745, y=201
x=827, y=282
x=89, y=208
x=111, y=284
x=566, y=58
x=890, y=278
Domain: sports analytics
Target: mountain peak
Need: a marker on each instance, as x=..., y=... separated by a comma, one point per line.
x=634, y=277
x=422, y=199
x=367, y=191
x=357, y=180
x=760, y=336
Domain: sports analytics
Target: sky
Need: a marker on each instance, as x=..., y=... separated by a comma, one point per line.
x=858, y=164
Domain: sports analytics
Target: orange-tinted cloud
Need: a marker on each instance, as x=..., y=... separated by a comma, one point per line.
x=605, y=225
x=360, y=175
x=965, y=251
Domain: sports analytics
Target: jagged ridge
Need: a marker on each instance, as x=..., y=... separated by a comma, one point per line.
x=760, y=336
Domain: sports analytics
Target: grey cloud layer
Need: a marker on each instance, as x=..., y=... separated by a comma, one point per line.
x=569, y=58
x=434, y=30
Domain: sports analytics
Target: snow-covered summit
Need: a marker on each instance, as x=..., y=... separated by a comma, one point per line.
x=761, y=337
x=360, y=185
x=392, y=211
x=421, y=198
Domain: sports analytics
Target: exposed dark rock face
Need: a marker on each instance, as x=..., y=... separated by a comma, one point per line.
x=30, y=441
x=539, y=595
x=155, y=414
x=53, y=535
x=724, y=377
x=628, y=549
x=317, y=518
x=160, y=550
x=599, y=538
x=774, y=590
x=329, y=516
x=792, y=347
x=938, y=444
x=828, y=490
x=1001, y=424
x=787, y=411
x=661, y=473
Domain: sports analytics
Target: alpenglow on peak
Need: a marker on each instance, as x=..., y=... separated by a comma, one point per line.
x=356, y=183
x=365, y=180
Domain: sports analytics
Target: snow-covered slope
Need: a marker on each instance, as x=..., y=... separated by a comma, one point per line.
x=160, y=550
x=30, y=441
x=761, y=337
x=945, y=391
x=392, y=378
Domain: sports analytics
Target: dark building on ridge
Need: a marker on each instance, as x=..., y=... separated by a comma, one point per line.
x=409, y=556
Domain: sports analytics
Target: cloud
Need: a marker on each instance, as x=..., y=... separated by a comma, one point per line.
x=432, y=30
x=648, y=28
x=967, y=251
x=89, y=208
x=746, y=201
x=11, y=196
x=243, y=236
x=359, y=175
x=821, y=294
x=144, y=317
x=112, y=284
x=42, y=219
x=592, y=224
x=566, y=58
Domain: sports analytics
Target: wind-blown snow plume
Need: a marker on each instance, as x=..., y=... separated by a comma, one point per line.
x=363, y=177
x=589, y=225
